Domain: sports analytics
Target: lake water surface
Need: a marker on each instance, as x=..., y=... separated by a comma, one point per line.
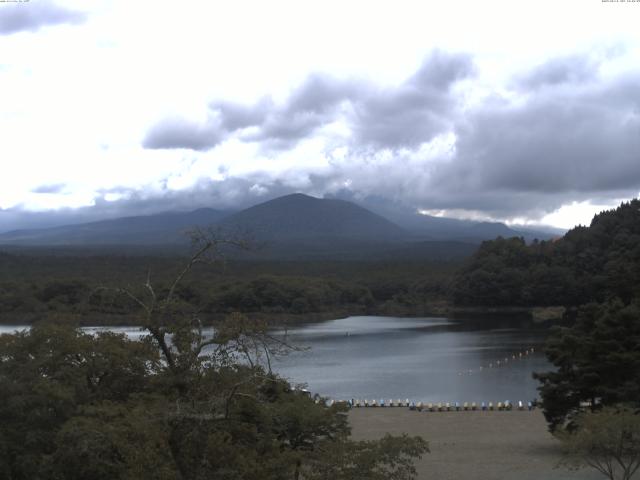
x=427, y=359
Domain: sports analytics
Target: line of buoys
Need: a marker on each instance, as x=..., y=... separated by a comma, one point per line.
x=498, y=363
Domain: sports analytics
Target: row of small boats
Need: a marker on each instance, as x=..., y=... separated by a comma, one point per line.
x=438, y=407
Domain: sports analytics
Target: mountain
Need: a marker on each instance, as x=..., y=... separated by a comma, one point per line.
x=159, y=229
x=429, y=227
x=294, y=226
x=301, y=217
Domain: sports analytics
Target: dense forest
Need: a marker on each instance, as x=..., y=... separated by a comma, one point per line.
x=34, y=284
x=589, y=264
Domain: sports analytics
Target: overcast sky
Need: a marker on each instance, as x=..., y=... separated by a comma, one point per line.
x=525, y=112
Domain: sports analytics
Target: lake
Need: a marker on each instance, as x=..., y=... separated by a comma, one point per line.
x=427, y=359
x=423, y=359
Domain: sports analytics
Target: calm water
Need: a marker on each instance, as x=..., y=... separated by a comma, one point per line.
x=428, y=359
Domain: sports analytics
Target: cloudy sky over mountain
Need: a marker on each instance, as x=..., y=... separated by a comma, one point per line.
x=514, y=111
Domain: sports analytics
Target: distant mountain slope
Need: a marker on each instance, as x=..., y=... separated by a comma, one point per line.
x=158, y=229
x=295, y=226
x=429, y=227
x=298, y=216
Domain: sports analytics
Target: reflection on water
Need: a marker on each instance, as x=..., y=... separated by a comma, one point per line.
x=428, y=359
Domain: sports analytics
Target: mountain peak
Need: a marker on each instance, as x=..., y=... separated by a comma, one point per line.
x=303, y=216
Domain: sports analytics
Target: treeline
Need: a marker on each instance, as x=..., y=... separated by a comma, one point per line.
x=33, y=286
x=589, y=264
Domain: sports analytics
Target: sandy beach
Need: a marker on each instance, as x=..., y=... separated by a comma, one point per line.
x=470, y=445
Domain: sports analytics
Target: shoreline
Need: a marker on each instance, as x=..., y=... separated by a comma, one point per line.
x=482, y=445
x=538, y=315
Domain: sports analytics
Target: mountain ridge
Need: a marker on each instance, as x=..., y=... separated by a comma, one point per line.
x=292, y=225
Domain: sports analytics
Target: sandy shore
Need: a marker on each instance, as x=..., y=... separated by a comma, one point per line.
x=473, y=445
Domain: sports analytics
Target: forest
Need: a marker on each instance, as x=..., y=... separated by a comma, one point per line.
x=34, y=284
x=597, y=263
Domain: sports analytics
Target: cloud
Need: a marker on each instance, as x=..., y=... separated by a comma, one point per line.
x=556, y=143
x=229, y=194
x=561, y=133
x=181, y=133
x=309, y=107
x=50, y=188
x=523, y=155
x=31, y=16
x=396, y=117
x=235, y=116
x=572, y=69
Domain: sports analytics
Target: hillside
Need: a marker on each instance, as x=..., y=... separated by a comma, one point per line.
x=589, y=264
x=159, y=229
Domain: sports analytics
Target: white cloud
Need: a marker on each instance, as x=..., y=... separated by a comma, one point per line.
x=76, y=112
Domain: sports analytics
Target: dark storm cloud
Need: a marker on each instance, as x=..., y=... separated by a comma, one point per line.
x=181, y=133
x=50, y=188
x=31, y=16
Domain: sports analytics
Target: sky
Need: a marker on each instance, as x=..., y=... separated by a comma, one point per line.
x=523, y=112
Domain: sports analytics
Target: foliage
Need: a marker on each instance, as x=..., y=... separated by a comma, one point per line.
x=607, y=440
x=593, y=264
x=34, y=285
x=391, y=458
x=597, y=361
x=185, y=402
